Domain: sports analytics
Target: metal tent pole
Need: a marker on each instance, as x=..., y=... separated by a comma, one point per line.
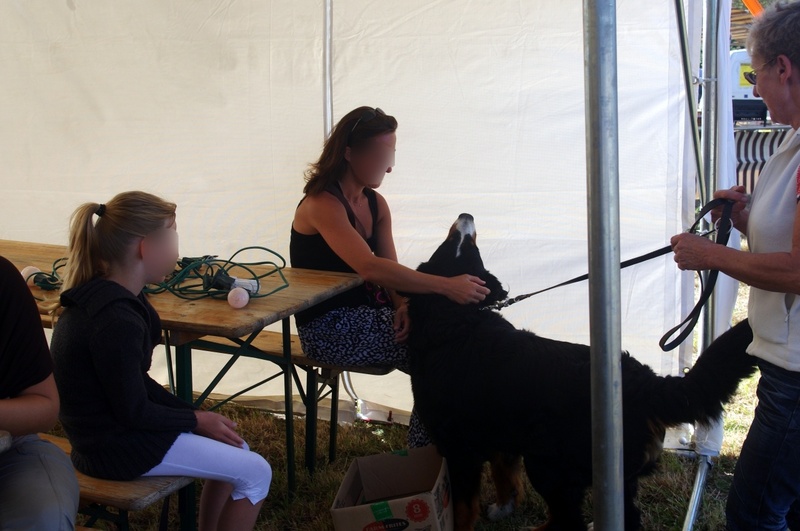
x=710, y=132
x=709, y=179
x=703, y=468
x=691, y=105
x=327, y=67
x=327, y=109
x=602, y=168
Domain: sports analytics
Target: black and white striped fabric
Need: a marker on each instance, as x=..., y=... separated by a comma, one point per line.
x=753, y=147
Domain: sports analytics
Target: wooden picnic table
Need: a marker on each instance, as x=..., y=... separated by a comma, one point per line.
x=185, y=321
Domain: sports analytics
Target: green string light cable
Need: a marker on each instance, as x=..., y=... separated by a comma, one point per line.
x=193, y=277
x=46, y=281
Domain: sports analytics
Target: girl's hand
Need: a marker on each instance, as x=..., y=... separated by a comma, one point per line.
x=217, y=427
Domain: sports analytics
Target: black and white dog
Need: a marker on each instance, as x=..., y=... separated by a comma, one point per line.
x=488, y=391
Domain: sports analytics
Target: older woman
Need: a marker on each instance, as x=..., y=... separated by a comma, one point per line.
x=766, y=482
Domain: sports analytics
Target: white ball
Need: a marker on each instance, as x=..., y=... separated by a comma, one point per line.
x=238, y=298
x=28, y=271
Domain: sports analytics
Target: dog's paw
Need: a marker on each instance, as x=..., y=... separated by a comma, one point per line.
x=496, y=512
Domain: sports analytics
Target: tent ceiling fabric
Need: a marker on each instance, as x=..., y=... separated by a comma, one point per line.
x=218, y=106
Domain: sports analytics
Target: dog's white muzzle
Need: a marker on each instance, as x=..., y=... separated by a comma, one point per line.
x=465, y=225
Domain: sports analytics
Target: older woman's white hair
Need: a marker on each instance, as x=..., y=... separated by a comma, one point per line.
x=776, y=32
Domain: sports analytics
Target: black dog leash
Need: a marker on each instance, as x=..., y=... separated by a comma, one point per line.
x=723, y=230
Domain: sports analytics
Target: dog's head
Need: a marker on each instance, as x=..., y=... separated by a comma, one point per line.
x=459, y=254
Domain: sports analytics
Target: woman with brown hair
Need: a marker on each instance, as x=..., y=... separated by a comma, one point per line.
x=344, y=224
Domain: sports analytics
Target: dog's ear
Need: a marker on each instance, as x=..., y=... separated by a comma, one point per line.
x=496, y=291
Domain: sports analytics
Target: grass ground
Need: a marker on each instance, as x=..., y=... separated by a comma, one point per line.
x=663, y=497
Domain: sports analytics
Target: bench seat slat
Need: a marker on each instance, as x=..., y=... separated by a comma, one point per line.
x=133, y=495
x=272, y=343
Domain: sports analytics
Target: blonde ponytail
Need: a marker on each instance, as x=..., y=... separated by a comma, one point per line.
x=82, y=260
x=96, y=245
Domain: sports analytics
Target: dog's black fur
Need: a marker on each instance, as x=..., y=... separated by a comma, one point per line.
x=484, y=388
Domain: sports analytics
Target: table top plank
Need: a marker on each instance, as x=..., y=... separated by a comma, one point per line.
x=209, y=316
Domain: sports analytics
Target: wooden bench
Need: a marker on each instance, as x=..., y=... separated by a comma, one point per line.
x=322, y=380
x=97, y=495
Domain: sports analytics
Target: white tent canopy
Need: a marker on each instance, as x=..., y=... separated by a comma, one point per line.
x=218, y=106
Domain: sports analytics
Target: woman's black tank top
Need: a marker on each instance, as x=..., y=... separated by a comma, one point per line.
x=311, y=251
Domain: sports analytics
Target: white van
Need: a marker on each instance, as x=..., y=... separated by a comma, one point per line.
x=745, y=105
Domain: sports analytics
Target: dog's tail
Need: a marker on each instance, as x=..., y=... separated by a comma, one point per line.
x=700, y=395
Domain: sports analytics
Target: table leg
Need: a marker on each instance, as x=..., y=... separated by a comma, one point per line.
x=334, y=418
x=183, y=362
x=288, y=392
x=311, y=419
x=187, y=503
x=187, y=507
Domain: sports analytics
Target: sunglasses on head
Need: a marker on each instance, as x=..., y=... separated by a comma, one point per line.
x=366, y=116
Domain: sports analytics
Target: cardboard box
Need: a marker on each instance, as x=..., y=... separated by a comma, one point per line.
x=407, y=490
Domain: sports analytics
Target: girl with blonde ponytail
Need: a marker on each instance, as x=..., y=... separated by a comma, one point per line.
x=122, y=424
x=127, y=216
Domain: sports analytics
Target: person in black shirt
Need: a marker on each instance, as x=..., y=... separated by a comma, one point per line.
x=343, y=224
x=38, y=487
x=121, y=423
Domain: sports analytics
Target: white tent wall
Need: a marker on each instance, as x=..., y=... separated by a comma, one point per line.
x=184, y=99
x=218, y=107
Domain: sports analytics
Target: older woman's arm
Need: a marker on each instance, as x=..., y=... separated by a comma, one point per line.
x=778, y=272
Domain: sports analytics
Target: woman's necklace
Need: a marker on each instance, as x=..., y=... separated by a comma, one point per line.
x=358, y=202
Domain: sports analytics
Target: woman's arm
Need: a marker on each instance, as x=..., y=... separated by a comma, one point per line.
x=328, y=216
x=386, y=249
x=779, y=272
x=35, y=409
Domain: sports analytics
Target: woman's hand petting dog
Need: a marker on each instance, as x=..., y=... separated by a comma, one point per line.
x=465, y=289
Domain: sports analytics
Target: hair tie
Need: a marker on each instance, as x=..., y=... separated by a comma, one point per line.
x=100, y=211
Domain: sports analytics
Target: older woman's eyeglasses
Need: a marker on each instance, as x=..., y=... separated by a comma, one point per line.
x=366, y=116
x=751, y=76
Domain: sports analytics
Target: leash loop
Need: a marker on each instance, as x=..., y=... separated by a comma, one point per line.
x=723, y=229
